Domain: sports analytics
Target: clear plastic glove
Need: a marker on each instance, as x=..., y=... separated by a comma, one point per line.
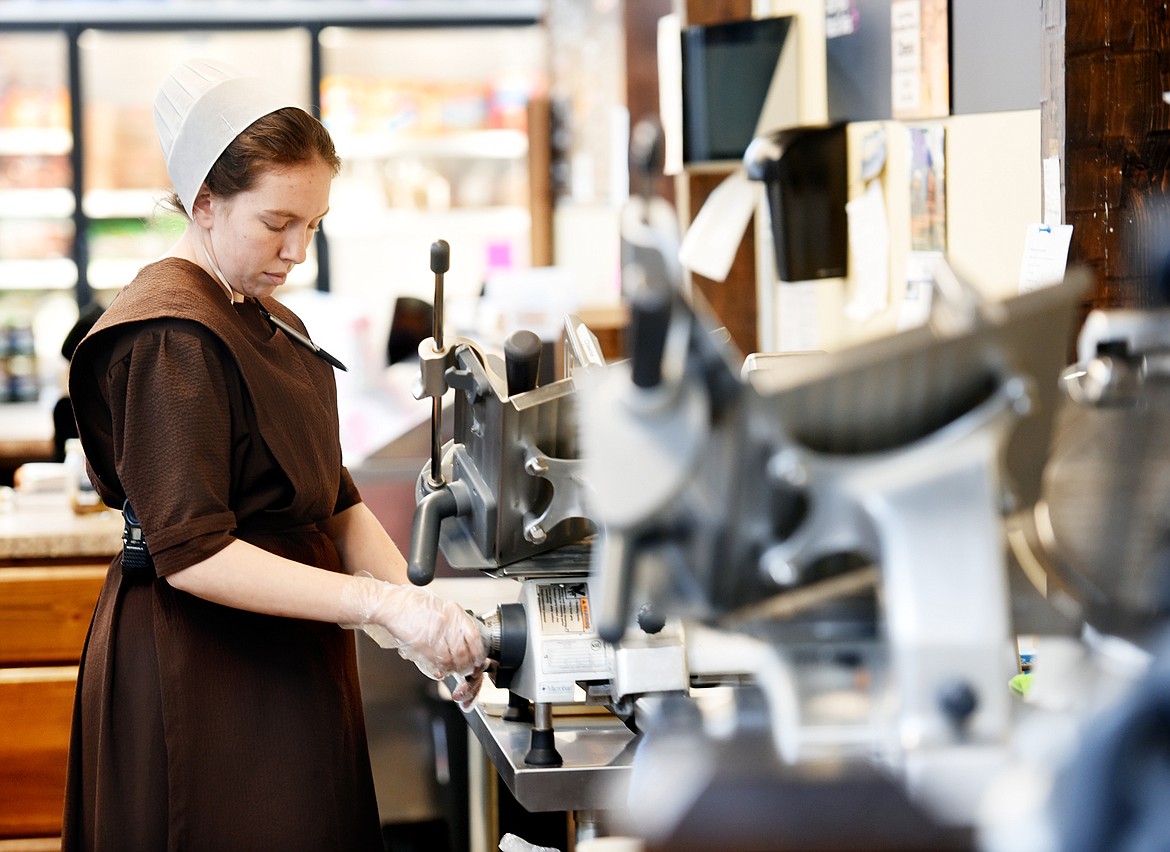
x=435, y=634
x=511, y=843
x=467, y=690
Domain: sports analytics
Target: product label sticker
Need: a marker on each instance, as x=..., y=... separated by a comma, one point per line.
x=564, y=608
x=574, y=657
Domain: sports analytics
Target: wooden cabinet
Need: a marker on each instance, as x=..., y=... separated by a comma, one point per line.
x=45, y=612
x=52, y=566
x=44, y=615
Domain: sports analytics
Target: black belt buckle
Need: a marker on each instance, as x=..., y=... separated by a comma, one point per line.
x=136, y=562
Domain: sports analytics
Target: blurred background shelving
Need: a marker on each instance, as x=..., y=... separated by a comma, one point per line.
x=447, y=117
x=429, y=115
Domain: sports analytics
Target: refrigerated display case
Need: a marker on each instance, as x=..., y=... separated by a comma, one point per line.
x=124, y=177
x=432, y=131
x=36, y=139
x=37, y=270
x=426, y=101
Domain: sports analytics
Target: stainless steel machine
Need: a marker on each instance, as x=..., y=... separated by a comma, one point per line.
x=843, y=516
x=1098, y=537
x=506, y=497
x=797, y=583
x=808, y=554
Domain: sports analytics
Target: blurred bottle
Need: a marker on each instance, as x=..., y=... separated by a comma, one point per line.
x=4, y=395
x=21, y=362
x=80, y=491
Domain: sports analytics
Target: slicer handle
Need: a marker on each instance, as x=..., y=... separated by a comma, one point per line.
x=424, y=534
x=440, y=263
x=649, y=320
x=612, y=586
x=647, y=155
x=522, y=361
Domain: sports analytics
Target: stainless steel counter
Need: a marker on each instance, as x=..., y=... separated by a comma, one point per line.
x=597, y=750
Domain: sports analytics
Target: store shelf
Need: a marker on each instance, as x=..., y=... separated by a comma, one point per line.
x=113, y=274
x=229, y=12
x=471, y=144
x=123, y=203
x=36, y=203
x=467, y=66
x=47, y=141
x=46, y=274
x=500, y=219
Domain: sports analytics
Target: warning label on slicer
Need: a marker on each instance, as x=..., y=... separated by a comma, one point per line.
x=564, y=608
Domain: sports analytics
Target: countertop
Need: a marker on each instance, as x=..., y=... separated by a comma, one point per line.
x=42, y=526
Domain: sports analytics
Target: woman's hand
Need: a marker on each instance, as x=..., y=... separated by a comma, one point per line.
x=435, y=634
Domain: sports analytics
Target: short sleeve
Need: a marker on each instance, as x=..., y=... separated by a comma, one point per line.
x=172, y=440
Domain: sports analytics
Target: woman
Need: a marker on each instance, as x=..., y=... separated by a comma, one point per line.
x=218, y=705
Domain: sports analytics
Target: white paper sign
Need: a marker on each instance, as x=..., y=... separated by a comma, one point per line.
x=919, y=296
x=906, y=62
x=796, y=307
x=1045, y=256
x=869, y=240
x=1052, y=206
x=711, y=242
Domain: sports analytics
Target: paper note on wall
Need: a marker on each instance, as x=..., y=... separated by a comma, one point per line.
x=1045, y=256
x=1052, y=200
x=797, y=315
x=914, y=309
x=869, y=241
x=906, y=37
x=711, y=242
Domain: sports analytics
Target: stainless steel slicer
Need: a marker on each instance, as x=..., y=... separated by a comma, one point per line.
x=505, y=497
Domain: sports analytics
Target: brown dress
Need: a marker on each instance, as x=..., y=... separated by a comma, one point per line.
x=198, y=726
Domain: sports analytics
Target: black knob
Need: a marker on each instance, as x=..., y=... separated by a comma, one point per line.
x=958, y=700
x=513, y=635
x=650, y=620
x=649, y=320
x=440, y=257
x=522, y=361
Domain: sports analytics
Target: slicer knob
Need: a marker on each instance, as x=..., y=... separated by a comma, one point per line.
x=958, y=701
x=522, y=361
x=649, y=320
x=440, y=256
x=650, y=620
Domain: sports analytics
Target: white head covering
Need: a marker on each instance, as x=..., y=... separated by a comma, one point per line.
x=200, y=108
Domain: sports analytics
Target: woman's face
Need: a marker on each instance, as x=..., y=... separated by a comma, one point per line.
x=258, y=236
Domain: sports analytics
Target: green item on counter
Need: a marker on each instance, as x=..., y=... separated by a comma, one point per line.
x=1021, y=683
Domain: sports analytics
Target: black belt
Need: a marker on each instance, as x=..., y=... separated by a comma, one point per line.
x=137, y=565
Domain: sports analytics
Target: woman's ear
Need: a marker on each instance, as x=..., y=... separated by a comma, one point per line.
x=201, y=209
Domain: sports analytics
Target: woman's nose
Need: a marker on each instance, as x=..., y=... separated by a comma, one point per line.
x=296, y=245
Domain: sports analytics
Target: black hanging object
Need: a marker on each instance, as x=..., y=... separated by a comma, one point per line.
x=297, y=337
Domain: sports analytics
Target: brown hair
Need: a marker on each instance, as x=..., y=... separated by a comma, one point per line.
x=287, y=137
